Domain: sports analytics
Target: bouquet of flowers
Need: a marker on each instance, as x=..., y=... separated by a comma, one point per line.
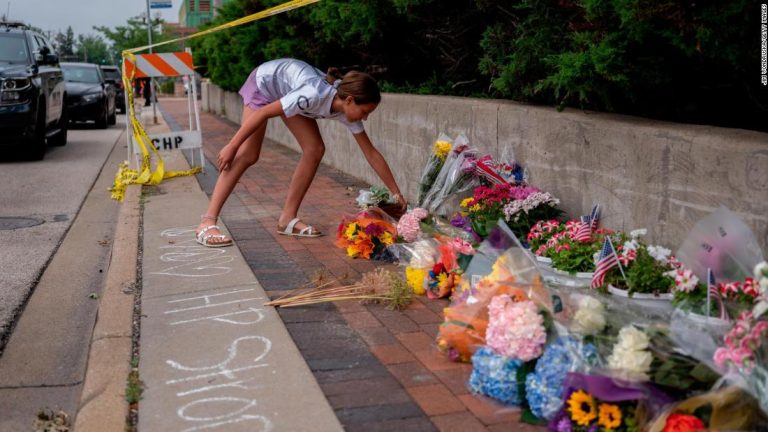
x=373, y=197
x=440, y=150
x=367, y=235
x=487, y=204
x=522, y=214
x=595, y=402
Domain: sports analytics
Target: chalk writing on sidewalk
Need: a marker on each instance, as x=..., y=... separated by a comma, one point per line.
x=216, y=385
x=190, y=259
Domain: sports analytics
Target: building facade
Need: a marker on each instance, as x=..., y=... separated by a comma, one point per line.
x=195, y=13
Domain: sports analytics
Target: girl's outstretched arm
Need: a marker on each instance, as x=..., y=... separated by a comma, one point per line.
x=249, y=126
x=379, y=164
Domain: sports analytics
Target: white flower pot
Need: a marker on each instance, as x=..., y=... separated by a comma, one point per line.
x=579, y=280
x=660, y=301
x=543, y=260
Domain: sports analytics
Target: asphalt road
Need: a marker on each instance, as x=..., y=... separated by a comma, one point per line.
x=53, y=272
x=50, y=191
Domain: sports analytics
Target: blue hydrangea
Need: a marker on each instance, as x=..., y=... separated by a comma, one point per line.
x=544, y=387
x=495, y=376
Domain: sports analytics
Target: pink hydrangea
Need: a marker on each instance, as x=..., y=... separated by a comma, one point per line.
x=515, y=330
x=408, y=225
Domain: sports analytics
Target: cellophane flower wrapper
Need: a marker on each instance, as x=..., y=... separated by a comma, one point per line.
x=438, y=154
x=725, y=408
x=500, y=266
x=498, y=377
x=367, y=234
x=458, y=179
x=433, y=198
x=722, y=242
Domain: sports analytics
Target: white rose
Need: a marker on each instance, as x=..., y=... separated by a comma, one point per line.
x=631, y=338
x=637, y=233
x=589, y=319
x=635, y=364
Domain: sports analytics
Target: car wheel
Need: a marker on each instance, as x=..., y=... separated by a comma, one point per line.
x=103, y=121
x=37, y=147
x=60, y=138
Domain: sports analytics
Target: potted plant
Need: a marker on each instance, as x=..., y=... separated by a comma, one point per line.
x=644, y=276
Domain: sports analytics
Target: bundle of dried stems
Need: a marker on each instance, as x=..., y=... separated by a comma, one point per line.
x=378, y=286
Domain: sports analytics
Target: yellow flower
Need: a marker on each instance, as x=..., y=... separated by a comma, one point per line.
x=465, y=202
x=610, y=416
x=441, y=278
x=352, y=251
x=442, y=148
x=386, y=238
x=349, y=233
x=415, y=278
x=475, y=208
x=581, y=405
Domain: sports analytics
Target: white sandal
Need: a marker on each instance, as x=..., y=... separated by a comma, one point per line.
x=308, y=231
x=205, y=239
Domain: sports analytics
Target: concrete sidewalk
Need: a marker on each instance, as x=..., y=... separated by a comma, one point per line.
x=211, y=355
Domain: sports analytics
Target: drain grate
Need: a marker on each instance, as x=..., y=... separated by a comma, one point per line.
x=12, y=223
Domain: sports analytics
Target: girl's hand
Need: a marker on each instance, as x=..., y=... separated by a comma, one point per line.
x=226, y=156
x=402, y=202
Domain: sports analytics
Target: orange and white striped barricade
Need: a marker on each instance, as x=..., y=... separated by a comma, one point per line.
x=173, y=64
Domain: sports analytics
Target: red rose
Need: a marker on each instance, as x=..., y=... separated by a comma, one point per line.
x=683, y=423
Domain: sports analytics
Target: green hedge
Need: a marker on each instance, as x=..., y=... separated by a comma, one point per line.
x=681, y=61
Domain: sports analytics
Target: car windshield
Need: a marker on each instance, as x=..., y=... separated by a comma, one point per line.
x=13, y=49
x=81, y=74
x=112, y=74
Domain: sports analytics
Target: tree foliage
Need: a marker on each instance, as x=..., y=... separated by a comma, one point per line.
x=681, y=61
x=134, y=34
x=64, y=43
x=93, y=49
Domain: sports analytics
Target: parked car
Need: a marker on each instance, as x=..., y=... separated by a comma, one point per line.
x=89, y=96
x=113, y=76
x=32, y=92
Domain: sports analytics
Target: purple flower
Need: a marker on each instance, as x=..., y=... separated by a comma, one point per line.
x=460, y=221
x=564, y=425
x=374, y=230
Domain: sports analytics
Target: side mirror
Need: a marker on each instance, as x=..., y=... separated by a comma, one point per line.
x=51, y=58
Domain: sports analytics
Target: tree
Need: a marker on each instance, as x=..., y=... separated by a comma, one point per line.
x=64, y=43
x=134, y=34
x=93, y=49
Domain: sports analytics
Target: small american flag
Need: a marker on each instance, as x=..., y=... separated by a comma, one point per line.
x=594, y=217
x=714, y=292
x=605, y=261
x=584, y=232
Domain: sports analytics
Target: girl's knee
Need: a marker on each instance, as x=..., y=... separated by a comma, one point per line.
x=315, y=152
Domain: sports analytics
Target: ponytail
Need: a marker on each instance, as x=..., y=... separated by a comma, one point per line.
x=332, y=75
x=361, y=86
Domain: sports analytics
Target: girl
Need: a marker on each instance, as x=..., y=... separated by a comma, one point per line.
x=299, y=94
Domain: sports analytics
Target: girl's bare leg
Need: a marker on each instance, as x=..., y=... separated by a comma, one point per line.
x=308, y=135
x=247, y=155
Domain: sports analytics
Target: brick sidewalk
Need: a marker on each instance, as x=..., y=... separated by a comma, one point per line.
x=379, y=369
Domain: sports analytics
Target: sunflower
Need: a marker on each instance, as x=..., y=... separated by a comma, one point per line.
x=610, y=416
x=581, y=405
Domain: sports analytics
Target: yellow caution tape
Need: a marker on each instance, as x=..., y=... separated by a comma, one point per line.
x=144, y=175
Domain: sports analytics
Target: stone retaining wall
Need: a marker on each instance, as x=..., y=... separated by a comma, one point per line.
x=645, y=174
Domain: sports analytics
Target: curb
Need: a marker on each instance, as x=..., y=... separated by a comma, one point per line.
x=102, y=402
